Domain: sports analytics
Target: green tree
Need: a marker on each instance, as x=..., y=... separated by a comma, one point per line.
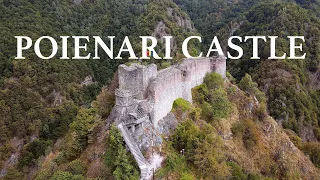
x=124, y=168
x=81, y=130
x=237, y=172
x=214, y=81
x=104, y=103
x=61, y=175
x=220, y=103
x=247, y=85
x=76, y=167
x=118, y=160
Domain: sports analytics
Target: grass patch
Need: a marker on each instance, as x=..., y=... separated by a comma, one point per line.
x=184, y=105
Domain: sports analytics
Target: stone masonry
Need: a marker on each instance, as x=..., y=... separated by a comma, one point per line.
x=145, y=96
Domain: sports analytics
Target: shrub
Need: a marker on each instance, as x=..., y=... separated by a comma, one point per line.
x=195, y=114
x=5, y=151
x=316, y=132
x=238, y=129
x=313, y=150
x=76, y=167
x=184, y=105
x=32, y=152
x=246, y=84
x=186, y=136
x=80, y=131
x=104, y=103
x=251, y=134
x=220, y=103
x=209, y=161
x=260, y=111
x=13, y=174
x=124, y=167
x=200, y=94
x=232, y=90
x=216, y=105
x=214, y=80
x=207, y=111
x=202, y=149
x=248, y=131
x=165, y=64
x=61, y=158
x=61, y=175
x=254, y=176
x=46, y=171
x=231, y=78
x=212, y=98
x=114, y=142
x=187, y=176
x=236, y=171
x=176, y=162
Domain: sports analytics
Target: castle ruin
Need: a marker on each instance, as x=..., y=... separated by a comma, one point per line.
x=145, y=96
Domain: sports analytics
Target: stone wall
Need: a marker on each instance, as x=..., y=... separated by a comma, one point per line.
x=162, y=88
x=167, y=87
x=177, y=81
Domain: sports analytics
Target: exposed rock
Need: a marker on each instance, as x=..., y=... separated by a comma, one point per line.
x=315, y=79
x=182, y=21
x=17, y=144
x=167, y=124
x=87, y=81
x=155, y=161
x=33, y=137
x=146, y=136
x=306, y=133
x=56, y=98
x=77, y=2
x=162, y=30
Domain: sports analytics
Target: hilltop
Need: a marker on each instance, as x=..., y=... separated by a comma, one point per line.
x=261, y=123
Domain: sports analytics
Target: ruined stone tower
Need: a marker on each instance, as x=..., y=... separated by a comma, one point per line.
x=135, y=78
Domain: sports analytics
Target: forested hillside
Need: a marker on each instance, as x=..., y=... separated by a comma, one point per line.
x=296, y=102
x=291, y=86
x=52, y=112
x=40, y=99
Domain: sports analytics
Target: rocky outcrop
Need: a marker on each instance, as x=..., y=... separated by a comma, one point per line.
x=184, y=22
x=162, y=30
x=87, y=81
x=56, y=98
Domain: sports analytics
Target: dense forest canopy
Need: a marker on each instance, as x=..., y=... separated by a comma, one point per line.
x=281, y=18
x=57, y=106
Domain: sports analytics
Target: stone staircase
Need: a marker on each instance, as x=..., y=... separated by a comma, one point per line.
x=135, y=151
